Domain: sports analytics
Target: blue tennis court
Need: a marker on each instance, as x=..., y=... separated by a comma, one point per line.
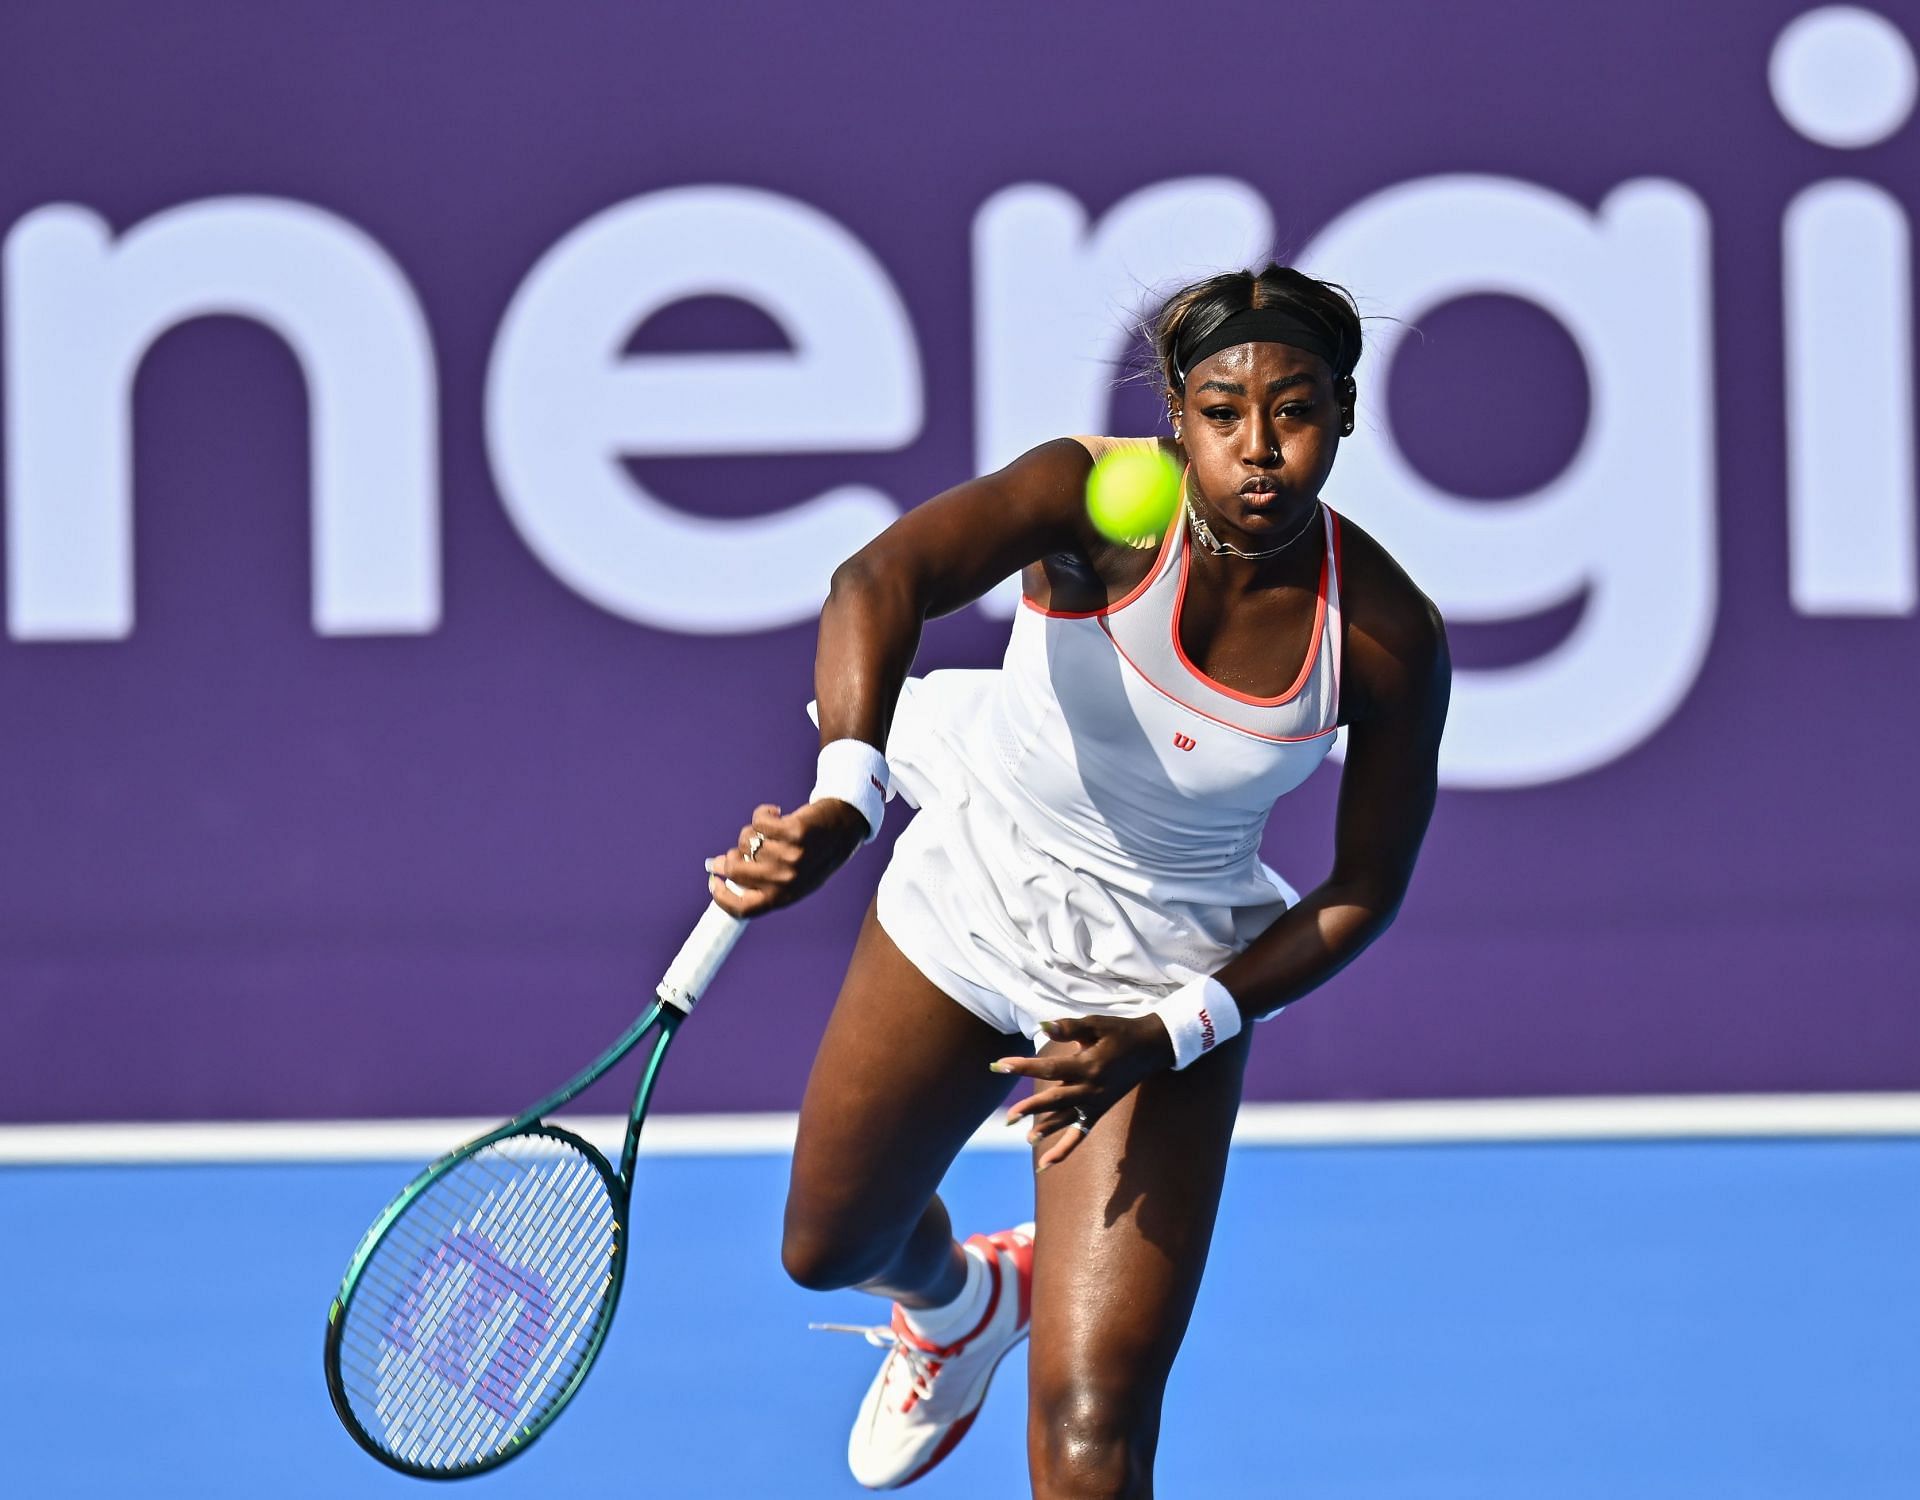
x=1488, y=1321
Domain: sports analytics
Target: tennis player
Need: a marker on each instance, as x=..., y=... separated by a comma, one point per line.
x=1084, y=873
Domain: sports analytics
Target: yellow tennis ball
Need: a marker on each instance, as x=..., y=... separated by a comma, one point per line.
x=1132, y=494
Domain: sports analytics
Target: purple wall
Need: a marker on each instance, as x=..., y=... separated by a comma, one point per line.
x=423, y=864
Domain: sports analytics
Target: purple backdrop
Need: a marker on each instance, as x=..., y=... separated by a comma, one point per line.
x=256, y=870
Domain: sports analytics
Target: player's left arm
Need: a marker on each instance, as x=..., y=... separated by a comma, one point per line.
x=1397, y=677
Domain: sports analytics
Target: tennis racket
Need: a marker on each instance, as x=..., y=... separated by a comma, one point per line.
x=475, y=1305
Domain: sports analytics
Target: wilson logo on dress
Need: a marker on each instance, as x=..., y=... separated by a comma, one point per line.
x=1184, y=742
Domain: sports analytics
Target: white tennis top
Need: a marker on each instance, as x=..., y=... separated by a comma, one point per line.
x=1092, y=811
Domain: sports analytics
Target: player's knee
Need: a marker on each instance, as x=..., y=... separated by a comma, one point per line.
x=1090, y=1441
x=823, y=1261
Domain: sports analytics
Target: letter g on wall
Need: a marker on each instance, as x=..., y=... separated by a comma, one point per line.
x=1630, y=522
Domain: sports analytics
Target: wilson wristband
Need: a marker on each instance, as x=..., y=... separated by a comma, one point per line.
x=1199, y=1016
x=852, y=771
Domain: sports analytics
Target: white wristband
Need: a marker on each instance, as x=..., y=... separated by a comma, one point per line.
x=1199, y=1016
x=853, y=772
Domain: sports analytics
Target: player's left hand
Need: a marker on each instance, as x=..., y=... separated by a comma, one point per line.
x=1088, y=1067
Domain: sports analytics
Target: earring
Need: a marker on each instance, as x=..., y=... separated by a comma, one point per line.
x=1346, y=423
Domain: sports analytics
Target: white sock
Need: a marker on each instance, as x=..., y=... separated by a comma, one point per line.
x=954, y=1321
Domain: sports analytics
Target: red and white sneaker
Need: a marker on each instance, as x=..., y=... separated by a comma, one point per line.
x=926, y=1396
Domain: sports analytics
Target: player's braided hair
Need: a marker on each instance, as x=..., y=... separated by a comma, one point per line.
x=1194, y=311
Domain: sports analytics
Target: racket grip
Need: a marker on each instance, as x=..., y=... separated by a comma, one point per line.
x=699, y=958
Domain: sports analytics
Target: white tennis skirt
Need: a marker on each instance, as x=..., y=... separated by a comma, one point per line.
x=1003, y=914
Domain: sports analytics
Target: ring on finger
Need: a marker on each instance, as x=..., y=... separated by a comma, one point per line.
x=1080, y=1121
x=754, y=841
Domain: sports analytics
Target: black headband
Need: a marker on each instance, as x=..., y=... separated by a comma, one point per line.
x=1257, y=325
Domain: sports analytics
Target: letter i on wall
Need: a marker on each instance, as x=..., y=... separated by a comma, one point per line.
x=1844, y=77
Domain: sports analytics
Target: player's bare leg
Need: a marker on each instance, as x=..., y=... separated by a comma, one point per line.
x=902, y=1079
x=1125, y=1223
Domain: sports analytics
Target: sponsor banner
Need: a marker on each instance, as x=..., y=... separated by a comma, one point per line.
x=429, y=433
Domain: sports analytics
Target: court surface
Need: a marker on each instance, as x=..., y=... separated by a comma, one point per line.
x=1705, y=1319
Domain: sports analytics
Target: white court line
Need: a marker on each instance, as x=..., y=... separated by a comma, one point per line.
x=1402, y=1122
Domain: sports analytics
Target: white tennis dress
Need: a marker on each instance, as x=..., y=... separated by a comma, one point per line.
x=1090, y=813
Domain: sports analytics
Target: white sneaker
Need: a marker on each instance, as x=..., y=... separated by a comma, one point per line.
x=926, y=1396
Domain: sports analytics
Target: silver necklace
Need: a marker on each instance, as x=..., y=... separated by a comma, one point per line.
x=1203, y=534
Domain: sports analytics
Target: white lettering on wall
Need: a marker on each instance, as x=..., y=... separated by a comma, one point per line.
x=1849, y=366
x=565, y=404
x=82, y=309
x=1844, y=77
x=1629, y=523
x=1628, y=527
x=1056, y=299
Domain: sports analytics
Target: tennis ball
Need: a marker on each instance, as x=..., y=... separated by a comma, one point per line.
x=1132, y=494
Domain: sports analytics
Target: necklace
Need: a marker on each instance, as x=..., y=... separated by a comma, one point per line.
x=1203, y=534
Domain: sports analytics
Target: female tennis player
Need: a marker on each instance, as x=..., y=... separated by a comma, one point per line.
x=1084, y=872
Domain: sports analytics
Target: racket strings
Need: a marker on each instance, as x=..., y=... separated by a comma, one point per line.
x=481, y=1303
x=459, y=1284
x=466, y=1298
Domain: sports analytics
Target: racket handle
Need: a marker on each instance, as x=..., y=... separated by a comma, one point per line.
x=699, y=958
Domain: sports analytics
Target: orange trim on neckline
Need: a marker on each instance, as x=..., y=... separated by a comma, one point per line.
x=1201, y=713
x=1313, y=646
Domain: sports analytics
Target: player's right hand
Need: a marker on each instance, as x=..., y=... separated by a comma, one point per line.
x=792, y=854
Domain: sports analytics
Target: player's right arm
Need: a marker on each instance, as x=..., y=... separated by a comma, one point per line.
x=935, y=559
